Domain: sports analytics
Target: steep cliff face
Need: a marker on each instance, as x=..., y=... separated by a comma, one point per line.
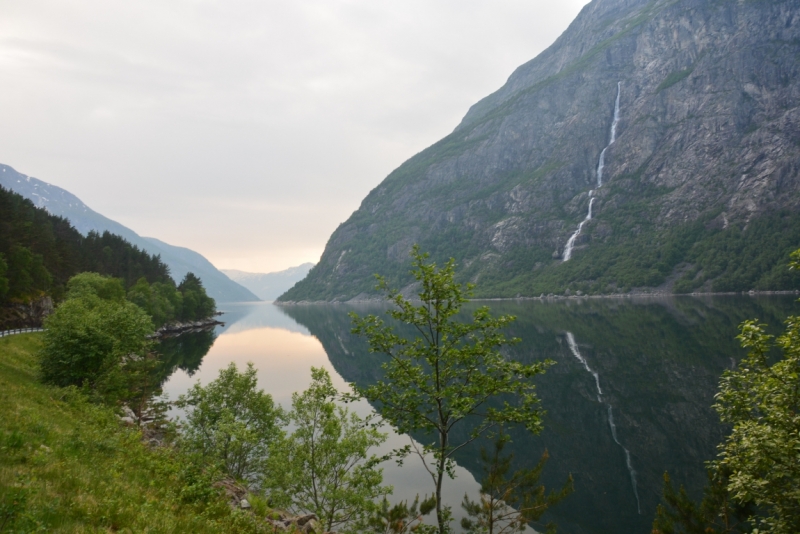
x=700, y=189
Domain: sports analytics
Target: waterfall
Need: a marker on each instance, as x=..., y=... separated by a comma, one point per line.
x=573, y=347
x=571, y=241
x=600, y=166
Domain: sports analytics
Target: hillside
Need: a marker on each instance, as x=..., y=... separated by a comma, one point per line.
x=179, y=260
x=69, y=465
x=40, y=252
x=269, y=286
x=697, y=192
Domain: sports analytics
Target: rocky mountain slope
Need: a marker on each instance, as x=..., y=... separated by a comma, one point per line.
x=269, y=286
x=180, y=260
x=699, y=190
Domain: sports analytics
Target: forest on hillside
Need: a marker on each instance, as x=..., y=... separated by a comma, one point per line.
x=40, y=252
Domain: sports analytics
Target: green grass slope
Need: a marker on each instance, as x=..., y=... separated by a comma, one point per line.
x=69, y=466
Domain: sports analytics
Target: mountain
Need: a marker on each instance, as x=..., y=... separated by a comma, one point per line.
x=658, y=138
x=269, y=286
x=179, y=260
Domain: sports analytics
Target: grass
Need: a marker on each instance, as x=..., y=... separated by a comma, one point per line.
x=674, y=78
x=67, y=465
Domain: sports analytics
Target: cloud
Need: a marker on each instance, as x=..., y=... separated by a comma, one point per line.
x=286, y=113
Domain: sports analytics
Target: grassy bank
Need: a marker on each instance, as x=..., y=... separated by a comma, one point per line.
x=69, y=466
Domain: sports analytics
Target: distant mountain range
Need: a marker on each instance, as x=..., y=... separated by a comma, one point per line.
x=179, y=259
x=271, y=285
x=652, y=148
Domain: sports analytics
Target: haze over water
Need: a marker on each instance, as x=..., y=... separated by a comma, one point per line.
x=636, y=403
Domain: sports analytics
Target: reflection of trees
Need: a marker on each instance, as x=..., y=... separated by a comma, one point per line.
x=185, y=352
x=659, y=363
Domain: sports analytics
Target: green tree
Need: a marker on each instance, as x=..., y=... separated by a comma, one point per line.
x=86, y=337
x=761, y=400
x=401, y=518
x=26, y=273
x=196, y=303
x=450, y=372
x=507, y=504
x=135, y=383
x=717, y=513
x=232, y=422
x=756, y=476
x=161, y=301
x=90, y=285
x=324, y=466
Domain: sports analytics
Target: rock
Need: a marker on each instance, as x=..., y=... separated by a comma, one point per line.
x=29, y=314
x=245, y=504
x=282, y=522
x=233, y=490
x=302, y=520
x=127, y=417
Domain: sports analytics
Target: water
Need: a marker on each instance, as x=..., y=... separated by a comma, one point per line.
x=284, y=350
x=573, y=347
x=600, y=166
x=629, y=397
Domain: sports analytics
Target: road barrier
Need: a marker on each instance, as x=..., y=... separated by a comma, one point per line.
x=4, y=333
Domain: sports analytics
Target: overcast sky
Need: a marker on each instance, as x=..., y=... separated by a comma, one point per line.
x=247, y=130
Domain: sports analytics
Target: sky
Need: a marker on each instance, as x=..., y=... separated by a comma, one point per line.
x=247, y=130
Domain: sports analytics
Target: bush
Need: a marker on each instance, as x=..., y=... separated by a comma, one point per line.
x=85, y=337
x=231, y=422
x=324, y=466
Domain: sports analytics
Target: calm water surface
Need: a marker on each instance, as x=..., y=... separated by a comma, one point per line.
x=629, y=397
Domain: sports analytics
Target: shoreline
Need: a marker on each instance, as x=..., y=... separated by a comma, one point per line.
x=176, y=329
x=553, y=297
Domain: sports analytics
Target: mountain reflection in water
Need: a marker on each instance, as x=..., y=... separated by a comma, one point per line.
x=658, y=360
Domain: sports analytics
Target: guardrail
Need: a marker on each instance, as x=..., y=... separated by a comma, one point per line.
x=4, y=333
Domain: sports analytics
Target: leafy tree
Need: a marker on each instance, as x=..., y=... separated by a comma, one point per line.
x=762, y=402
x=89, y=285
x=231, y=422
x=85, y=337
x=196, y=303
x=507, y=504
x=324, y=466
x=757, y=473
x=135, y=383
x=161, y=301
x=450, y=372
x=718, y=512
x=401, y=518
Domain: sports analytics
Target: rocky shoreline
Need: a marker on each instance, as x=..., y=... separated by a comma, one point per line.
x=552, y=296
x=175, y=329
